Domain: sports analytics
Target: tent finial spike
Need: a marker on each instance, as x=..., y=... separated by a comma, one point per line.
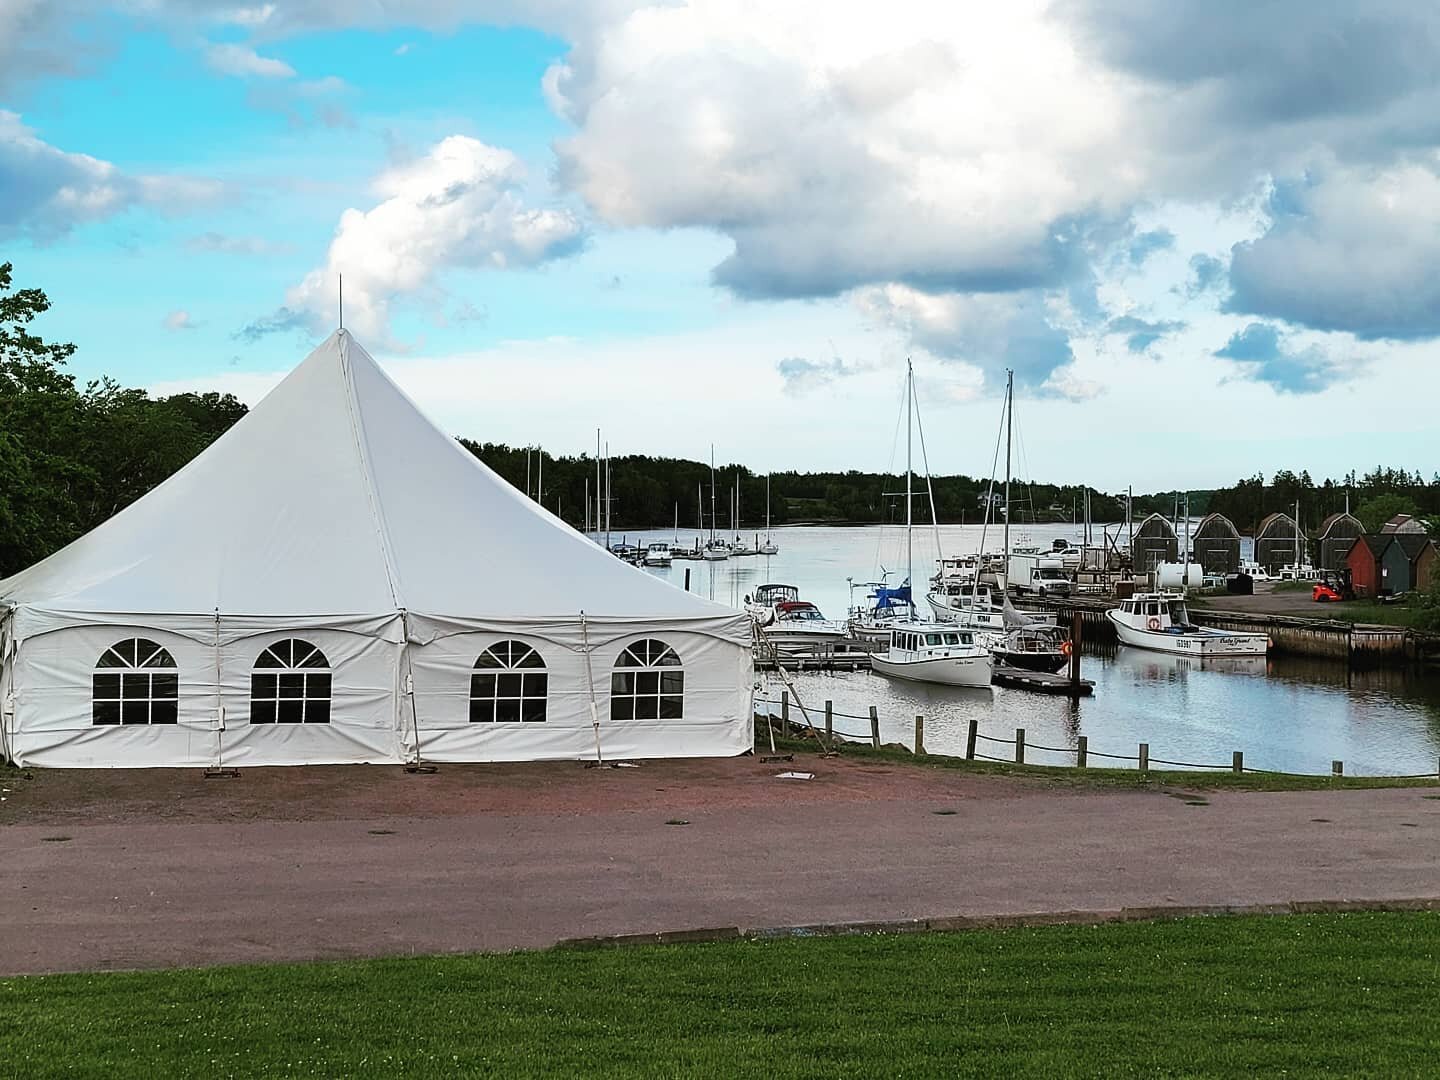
x=342, y=301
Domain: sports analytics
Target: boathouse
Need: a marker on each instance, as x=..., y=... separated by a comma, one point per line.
x=1337, y=535
x=1154, y=542
x=1404, y=523
x=1367, y=570
x=1275, y=542
x=1408, y=561
x=1215, y=545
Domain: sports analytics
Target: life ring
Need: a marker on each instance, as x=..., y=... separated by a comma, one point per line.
x=1153, y=623
x=1066, y=648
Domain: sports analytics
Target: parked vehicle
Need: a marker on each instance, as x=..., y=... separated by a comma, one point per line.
x=1043, y=575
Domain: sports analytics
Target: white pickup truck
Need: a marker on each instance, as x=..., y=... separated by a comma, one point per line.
x=1043, y=575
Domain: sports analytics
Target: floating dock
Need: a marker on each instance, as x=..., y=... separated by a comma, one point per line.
x=1041, y=682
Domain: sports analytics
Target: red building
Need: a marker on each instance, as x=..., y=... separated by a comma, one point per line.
x=1364, y=560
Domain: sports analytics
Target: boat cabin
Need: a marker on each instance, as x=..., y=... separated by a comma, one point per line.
x=1155, y=611
x=771, y=595
x=798, y=611
x=930, y=640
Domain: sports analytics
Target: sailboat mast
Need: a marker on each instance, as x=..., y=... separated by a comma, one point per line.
x=1009, y=424
x=909, y=532
x=597, y=485
x=712, y=493
x=767, y=508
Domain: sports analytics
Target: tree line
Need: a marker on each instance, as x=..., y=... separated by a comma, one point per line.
x=71, y=456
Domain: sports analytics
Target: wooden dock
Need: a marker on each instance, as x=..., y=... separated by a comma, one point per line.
x=1041, y=682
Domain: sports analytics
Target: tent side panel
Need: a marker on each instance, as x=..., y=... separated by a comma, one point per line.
x=55, y=718
x=362, y=726
x=716, y=718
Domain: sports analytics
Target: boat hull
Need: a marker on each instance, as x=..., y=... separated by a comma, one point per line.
x=1201, y=643
x=1051, y=662
x=946, y=670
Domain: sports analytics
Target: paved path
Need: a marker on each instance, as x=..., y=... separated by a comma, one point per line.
x=856, y=843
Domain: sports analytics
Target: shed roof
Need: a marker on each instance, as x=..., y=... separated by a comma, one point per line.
x=1375, y=543
x=1213, y=521
x=1155, y=524
x=1413, y=544
x=1335, y=519
x=1272, y=520
x=1403, y=523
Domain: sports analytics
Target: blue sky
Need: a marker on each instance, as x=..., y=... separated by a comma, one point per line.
x=1204, y=253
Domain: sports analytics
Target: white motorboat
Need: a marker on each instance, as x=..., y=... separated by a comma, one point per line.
x=799, y=624
x=716, y=551
x=975, y=607
x=658, y=553
x=1302, y=572
x=760, y=605
x=1255, y=571
x=958, y=568
x=935, y=653
x=1160, y=621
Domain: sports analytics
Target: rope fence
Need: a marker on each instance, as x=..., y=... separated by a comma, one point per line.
x=1081, y=752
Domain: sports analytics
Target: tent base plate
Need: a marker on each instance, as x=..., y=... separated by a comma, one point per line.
x=215, y=772
x=423, y=770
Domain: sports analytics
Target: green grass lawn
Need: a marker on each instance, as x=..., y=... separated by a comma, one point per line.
x=1369, y=611
x=1347, y=994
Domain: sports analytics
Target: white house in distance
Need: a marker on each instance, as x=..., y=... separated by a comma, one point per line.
x=336, y=580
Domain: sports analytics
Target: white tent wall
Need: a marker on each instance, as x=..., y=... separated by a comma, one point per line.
x=716, y=718
x=52, y=657
x=53, y=723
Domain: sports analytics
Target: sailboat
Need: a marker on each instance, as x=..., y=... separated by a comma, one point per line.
x=769, y=547
x=716, y=550
x=928, y=651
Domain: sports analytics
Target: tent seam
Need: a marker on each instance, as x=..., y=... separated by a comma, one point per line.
x=382, y=532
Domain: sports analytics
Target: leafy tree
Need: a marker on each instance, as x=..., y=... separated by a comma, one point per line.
x=1375, y=512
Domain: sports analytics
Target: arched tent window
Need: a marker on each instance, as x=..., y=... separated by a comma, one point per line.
x=135, y=682
x=508, y=685
x=290, y=685
x=648, y=683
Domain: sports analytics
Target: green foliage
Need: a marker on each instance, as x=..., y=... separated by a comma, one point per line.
x=1374, y=512
x=1313, y=995
x=72, y=457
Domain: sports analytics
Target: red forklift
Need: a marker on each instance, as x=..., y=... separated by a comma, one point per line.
x=1333, y=586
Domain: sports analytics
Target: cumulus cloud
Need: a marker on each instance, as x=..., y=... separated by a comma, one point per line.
x=45, y=191
x=244, y=62
x=1207, y=274
x=179, y=320
x=992, y=332
x=457, y=206
x=948, y=149
x=1263, y=355
x=1353, y=250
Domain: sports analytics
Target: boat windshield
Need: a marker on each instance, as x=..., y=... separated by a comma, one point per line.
x=798, y=611
x=1178, y=615
x=774, y=594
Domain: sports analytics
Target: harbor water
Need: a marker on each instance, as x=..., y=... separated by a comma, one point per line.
x=1283, y=713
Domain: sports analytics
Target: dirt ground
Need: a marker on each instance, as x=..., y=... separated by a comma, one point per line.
x=146, y=869
x=1265, y=601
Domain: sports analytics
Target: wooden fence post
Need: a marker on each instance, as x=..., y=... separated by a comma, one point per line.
x=829, y=724
x=1237, y=761
x=875, y=727
x=785, y=712
x=919, y=733
x=970, y=735
x=1019, y=746
x=1144, y=757
x=1082, y=749
x=1337, y=768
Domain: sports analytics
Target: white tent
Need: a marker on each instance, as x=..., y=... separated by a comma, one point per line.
x=336, y=580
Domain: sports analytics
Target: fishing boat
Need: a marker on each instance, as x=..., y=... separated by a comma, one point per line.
x=1160, y=621
x=934, y=653
x=658, y=553
x=927, y=651
x=1255, y=571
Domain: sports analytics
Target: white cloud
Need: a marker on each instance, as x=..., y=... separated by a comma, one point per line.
x=236, y=245
x=458, y=206
x=244, y=62
x=179, y=320
x=45, y=191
